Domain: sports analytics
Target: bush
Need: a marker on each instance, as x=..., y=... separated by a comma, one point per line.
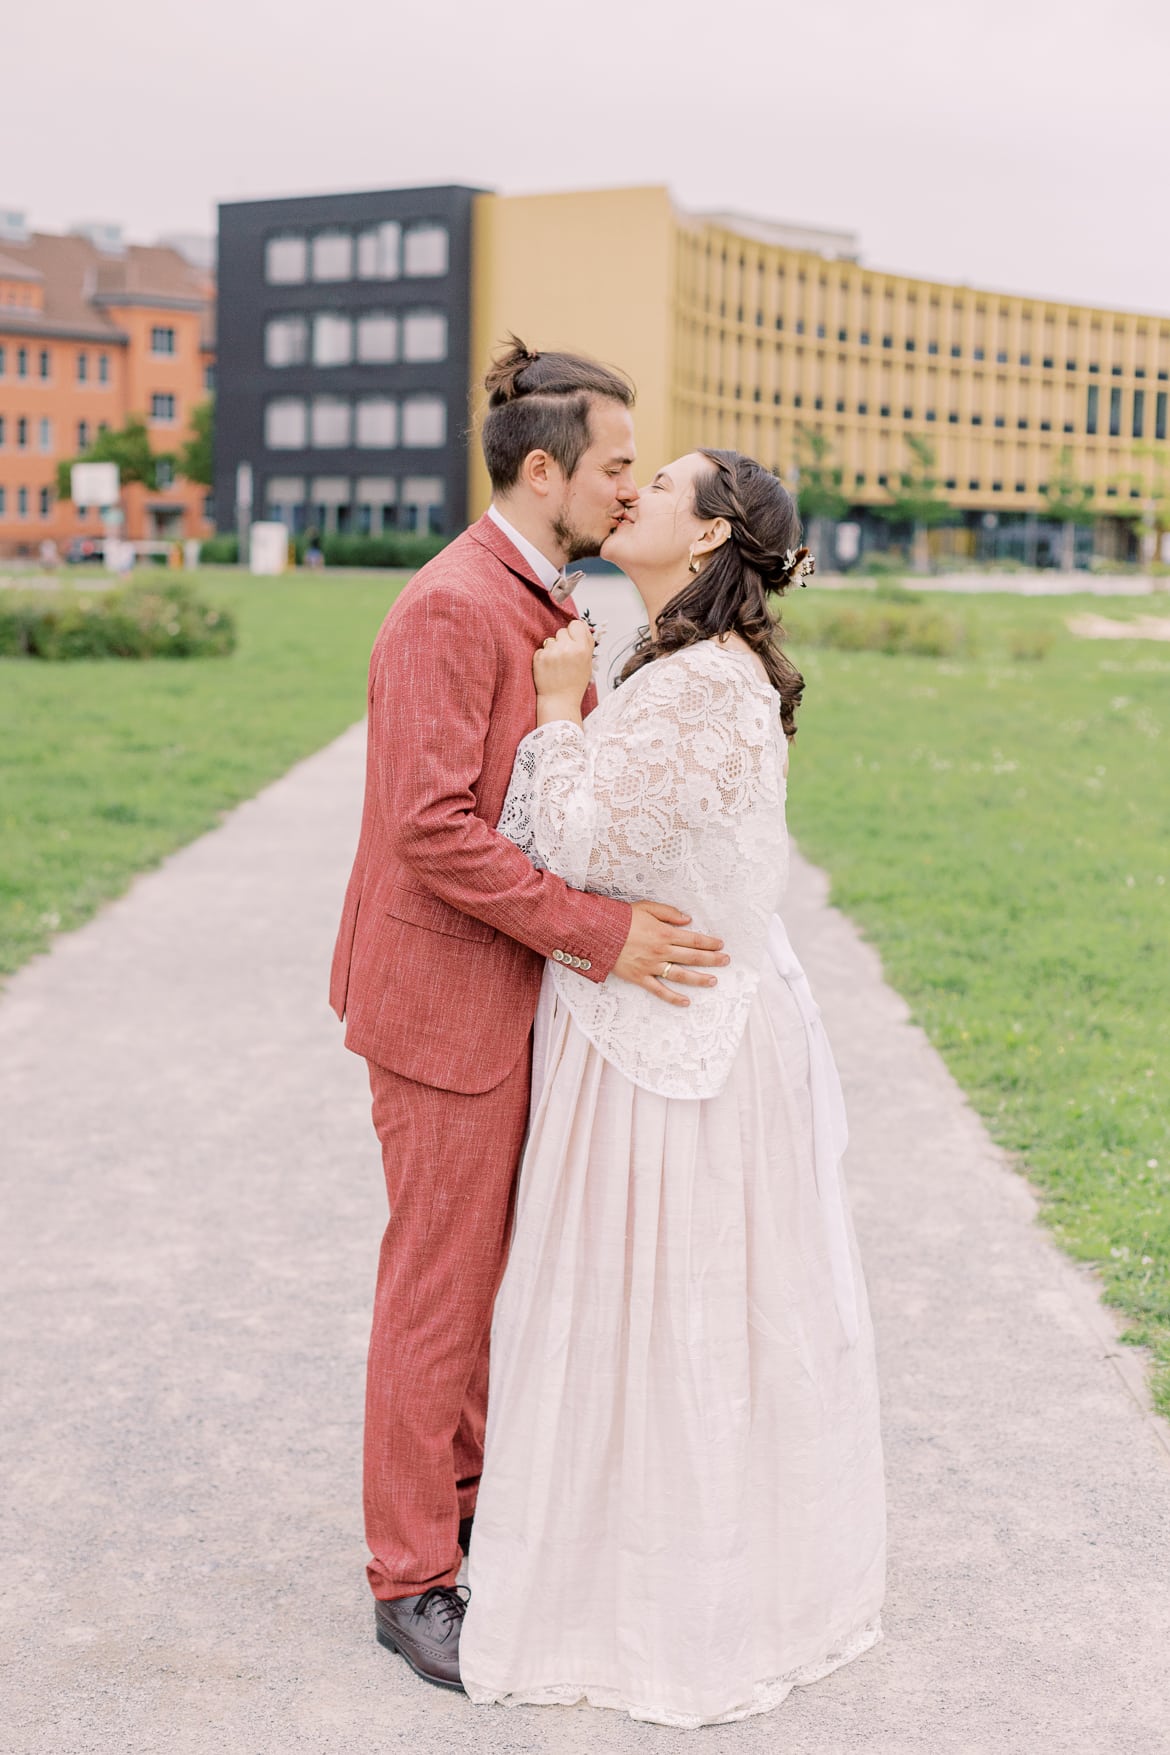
x=893, y=591
x=1030, y=644
x=882, y=564
x=909, y=629
x=154, y=619
x=223, y=551
x=394, y=549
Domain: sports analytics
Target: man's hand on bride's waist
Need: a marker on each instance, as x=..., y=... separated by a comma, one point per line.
x=661, y=953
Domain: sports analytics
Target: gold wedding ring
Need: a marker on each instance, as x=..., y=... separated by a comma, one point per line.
x=666, y=972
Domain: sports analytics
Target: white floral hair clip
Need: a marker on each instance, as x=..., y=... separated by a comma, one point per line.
x=799, y=565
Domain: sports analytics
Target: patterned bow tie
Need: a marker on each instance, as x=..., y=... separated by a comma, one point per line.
x=564, y=585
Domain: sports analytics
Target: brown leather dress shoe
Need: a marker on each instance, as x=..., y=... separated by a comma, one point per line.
x=425, y=1630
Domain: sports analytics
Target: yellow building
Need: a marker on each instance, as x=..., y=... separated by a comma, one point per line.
x=740, y=333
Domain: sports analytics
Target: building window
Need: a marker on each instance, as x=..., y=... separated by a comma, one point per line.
x=103, y=368
x=1160, y=415
x=377, y=338
x=976, y=420
x=379, y=252
x=883, y=481
x=951, y=482
x=3, y=500
x=1047, y=362
x=1114, y=414
x=997, y=487
x=977, y=353
x=863, y=338
x=164, y=473
x=1022, y=425
x=332, y=422
x=887, y=341
x=285, y=424
x=956, y=353
x=285, y=261
x=907, y=414
x=842, y=335
x=83, y=435
x=44, y=362
x=911, y=344
x=1025, y=359
x=209, y=508
x=1091, y=409
x=425, y=250
x=377, y=423
x=930, y=414
x=973, y=487
x=3, y=360
x=1070, y=365
x=424, y=336
x=82, y=367
x=1139, y=371
x=332, y=256
x=840, y=403
x=953, y=417
x=424, y=421
x=332, y=339
x=209, y=377
x=162, y=406
x=22, y=362
x=932, y=347
x=884, y=411
x=1116, y=370
x=2, y=423
x=285, y=341
x=1000, y=421
x=1021, y=487
x=162, y=340
x=1139, y=412
x=862, y=407
x=859, y=478
x=1094, y=367
x=284, y=495
x=422, y=503
x=45, y=434
x=22, y=502
x=44, y=501
x=1001, y=358
x=22, y=434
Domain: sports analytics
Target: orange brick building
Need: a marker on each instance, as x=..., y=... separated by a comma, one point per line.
x=91, y=332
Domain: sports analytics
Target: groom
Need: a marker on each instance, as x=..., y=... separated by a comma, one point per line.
x=438, y=963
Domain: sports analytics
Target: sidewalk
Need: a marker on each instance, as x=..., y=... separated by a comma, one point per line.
x=192, y=1209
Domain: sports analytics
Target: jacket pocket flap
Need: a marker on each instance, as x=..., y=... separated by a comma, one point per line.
x=420, y=908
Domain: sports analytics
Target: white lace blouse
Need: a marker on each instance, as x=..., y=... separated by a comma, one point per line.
x=673, y=792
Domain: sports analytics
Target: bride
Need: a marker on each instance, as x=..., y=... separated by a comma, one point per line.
x=681, y=1514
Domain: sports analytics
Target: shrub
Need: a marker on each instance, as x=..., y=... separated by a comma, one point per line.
x=153, y=619
x=882, y=564
x=223, y=551
x=899, y=628
x=1030, y=644
x=893, y=591
x=396, y=548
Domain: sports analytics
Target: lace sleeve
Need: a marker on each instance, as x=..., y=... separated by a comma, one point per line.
x=549, y=811
x=689, y=753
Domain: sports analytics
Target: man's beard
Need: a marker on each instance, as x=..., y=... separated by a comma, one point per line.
x=577, y=545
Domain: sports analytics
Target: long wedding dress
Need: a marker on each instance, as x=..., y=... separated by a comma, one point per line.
x=682, y=1509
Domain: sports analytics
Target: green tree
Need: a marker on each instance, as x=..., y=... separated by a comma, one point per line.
x=1069, y=503
x=915, y=499
x=819, y=491
x=128, y=447
x=195, y=455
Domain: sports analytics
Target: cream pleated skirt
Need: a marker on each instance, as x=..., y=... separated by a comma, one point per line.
x=682, y=1510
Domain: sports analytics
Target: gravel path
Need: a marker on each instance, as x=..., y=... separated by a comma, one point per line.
x=192, y=1203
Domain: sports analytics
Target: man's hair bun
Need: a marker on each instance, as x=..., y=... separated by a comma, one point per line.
x=502, y=382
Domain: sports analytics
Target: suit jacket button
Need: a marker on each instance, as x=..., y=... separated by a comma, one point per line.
x=558, y=956
x=586, y=964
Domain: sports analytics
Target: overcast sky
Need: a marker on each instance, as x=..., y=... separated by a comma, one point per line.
x=1012, y=143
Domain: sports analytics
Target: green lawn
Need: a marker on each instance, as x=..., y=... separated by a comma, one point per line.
x=106, y=767
x=1001, y=831
x=999, y=828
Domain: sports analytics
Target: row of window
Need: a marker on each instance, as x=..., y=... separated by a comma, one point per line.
x=22, y=364
x=162, y=409
x=21, y=499
x=367, y=506
x=380, y=252
x=372, y=338
x=974, y=486
x=1137, y=422
x=864, y=339
x=295, y=423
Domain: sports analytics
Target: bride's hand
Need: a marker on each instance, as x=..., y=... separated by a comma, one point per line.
x=562, y=669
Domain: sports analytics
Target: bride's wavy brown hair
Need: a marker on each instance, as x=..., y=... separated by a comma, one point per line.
x=759, y=561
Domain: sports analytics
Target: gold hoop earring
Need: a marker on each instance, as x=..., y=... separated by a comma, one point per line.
x=692, y=564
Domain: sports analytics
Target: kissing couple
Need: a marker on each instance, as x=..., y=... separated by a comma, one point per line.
x=610, y=1122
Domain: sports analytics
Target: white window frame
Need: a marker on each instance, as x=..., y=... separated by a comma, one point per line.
x=291, y=278
x=414, y=408
x=278, y=409
x=415, y=330
x=287, y=325
x=376, y=409
x=320, y=241
x=334, y=325
x=387, y=320
x=415, y=254
x=324, y=411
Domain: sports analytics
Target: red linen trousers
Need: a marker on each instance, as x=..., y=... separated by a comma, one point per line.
x=437, y=971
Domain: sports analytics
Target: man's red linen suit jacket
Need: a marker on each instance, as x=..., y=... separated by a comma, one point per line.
x=446, y=925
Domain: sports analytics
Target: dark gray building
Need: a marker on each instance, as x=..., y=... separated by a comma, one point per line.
x=342, y=359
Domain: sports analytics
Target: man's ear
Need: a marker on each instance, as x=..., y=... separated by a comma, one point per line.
x=536, y=473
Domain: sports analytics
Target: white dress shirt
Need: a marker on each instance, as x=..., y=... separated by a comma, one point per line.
x=545, y=570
